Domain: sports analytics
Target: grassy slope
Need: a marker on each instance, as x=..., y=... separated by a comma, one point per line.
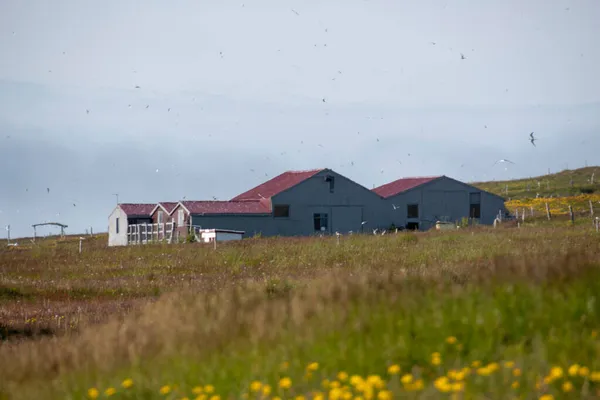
x=526, y=296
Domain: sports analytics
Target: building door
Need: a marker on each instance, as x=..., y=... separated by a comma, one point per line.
x=346, y=219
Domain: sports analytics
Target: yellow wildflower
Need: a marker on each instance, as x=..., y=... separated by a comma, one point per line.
x=451, y=340
x=509, y=364
x=573, y=370
x=335, y=394
x=285, y=383
x=266, y=390
x=209, y=389
x=415, y=386
x=203, y=396
x=394, y=369
x=547, y=397
x=484, y=371
x=458, y=386
x=185, y=398
x=436, y=359
x=442, y=384
x=376, y=381
x=255, y=386
x=516, y=372
x=567, y=387
x=342, y=376
x=165, y=390
x=318, y=396
x=276, y=398
x=127, y=383
x=584, y=371
x=93, y=393
x=556, y=372
x=313, y=366
x=334, y=384
x=476, y=364
x=406, y=379
x=355, y=380
x=384, y=395
x=515, y=385
x=110, y=391
x=215, y=397
x=595, y=376
x=493, y=366
x=197, y=390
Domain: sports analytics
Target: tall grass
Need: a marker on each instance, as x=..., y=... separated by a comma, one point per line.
x=524, y=299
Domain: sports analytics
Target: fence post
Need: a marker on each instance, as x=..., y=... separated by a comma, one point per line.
x=548, y=212
x=571, y=215
x=523, y=215
x=80, y=244
x=517, y=213
x=591, y=209
x=531, y=211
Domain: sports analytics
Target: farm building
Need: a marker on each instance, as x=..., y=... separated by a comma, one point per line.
x=418, y=203
x=124, y=215
x=161, y=213
x=293, y=203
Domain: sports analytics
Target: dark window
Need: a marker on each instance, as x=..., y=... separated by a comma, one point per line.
x=412, y=226
x=412, y=211
x=320, y=222
x=281, y=211
x=117, y=226
x=331, y=181
x=475, y=205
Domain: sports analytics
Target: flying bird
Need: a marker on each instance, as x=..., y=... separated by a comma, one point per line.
x=87, y=111
x=503, y=160
x=137, y=87
x=462, y=56
x=532, y=139
x=294, y=11
x=48, y=190
x=147, y=105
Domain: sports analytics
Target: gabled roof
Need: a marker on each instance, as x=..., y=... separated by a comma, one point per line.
x=167, y=206
x=402, y=185
x=276, y=185
x=132, y=209
x=226, y=207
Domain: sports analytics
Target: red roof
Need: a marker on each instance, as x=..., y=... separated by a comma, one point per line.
x=402, y=185
x=276, y=185
x=169, y=206
x=227, y=207
x=137, y=209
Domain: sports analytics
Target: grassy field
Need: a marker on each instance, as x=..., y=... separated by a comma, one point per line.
x=561, y=184
x=473, y=314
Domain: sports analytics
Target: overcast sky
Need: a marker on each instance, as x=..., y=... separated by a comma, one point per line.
x=245, y=83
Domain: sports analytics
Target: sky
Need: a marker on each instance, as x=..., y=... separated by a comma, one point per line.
x=232, y=93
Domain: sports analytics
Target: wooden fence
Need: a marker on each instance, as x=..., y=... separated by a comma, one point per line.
x=150, y=233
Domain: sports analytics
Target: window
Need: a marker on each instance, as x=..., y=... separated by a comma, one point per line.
x=180, y=217
x=320, y=221
x=281, y=211
x=160, y=216
x=117, y=226
x=331, y=180
x=412, y=211
x=475, y=205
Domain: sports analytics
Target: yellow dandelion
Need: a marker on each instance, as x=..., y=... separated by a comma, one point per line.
x=355, y=380
x=595, y=376
x=266, y=390
x=255, y=386
x=334, y=384
x=376, y=381
x=556, y=372
x=347, y=395
x=394, y=369
x=110, y=391
x=93, y=393
x=406, y=379
x=384, y=395
x=483, y=371
x=215, y=397
x=208, y=389
x=415, y=386
x=436, y=360
x=197, y=390
x=312, y=366
x=276, y=398
x=127, y=383
x=493, y=366
x=458, y=386
x=451, y=340
x=318, y=396
x=516, y=372
x=546, y=397
x=573, y=370
x=342, y=376
x=203, y=397
x=442, y=384
x=166, y=389
x=509, y=364
x=584, y=371
x=476, y=364
x=285, y=383
x=515, y=385
x=358, y=398
x=567, y=387
x=335, y=394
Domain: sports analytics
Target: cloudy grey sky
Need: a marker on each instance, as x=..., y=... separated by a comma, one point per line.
x=245, y=81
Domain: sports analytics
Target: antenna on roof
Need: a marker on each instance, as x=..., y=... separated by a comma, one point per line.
x=116, y=194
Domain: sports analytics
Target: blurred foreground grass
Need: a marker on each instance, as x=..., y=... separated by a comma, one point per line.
x=475, y=314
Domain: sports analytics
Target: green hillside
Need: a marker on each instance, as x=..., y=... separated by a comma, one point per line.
x=564, y=183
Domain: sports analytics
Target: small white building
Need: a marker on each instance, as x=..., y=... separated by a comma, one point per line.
x=124, y=215
x=220, y=235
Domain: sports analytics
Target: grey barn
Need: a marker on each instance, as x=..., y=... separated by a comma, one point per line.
x=299, y=203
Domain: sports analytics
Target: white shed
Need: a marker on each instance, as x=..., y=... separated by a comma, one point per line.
x=220, y=235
